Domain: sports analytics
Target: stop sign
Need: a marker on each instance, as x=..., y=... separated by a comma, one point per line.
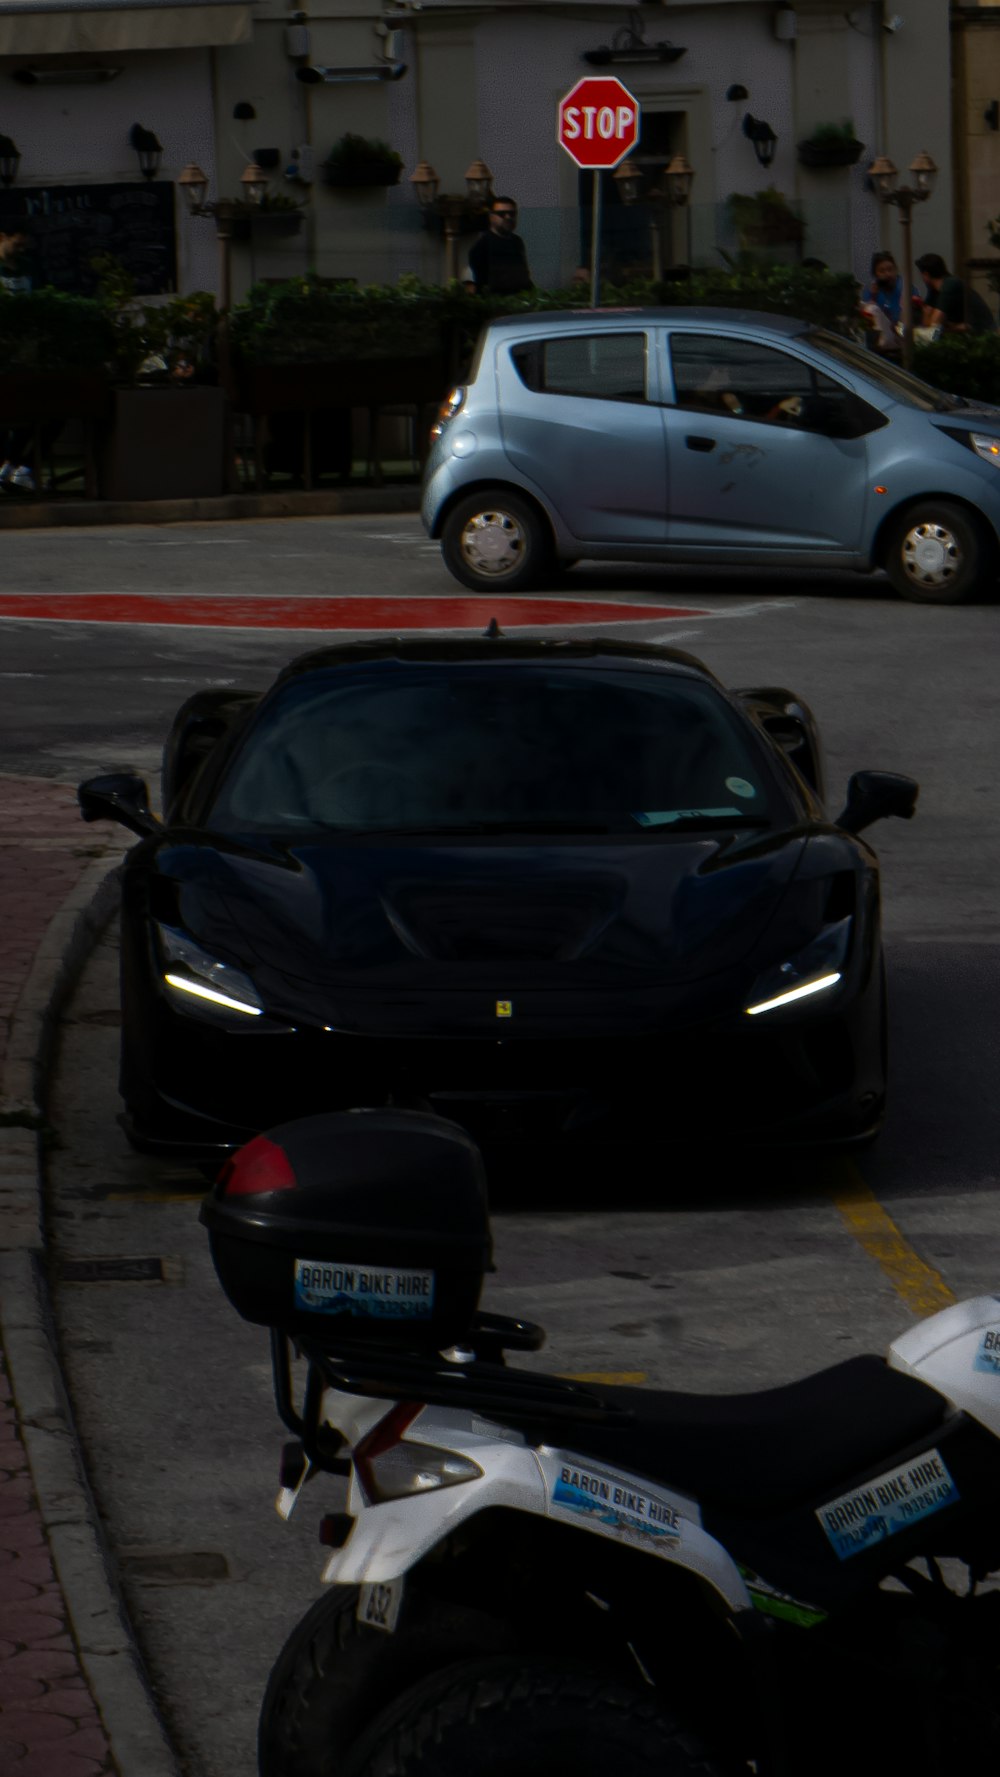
x=598, y=122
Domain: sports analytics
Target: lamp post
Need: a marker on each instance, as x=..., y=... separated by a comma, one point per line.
x=883, y=175
x=455, y=210
x=671, y=194
x=194, y=184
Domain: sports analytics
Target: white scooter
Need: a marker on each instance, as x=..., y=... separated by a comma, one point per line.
x=531, y=1575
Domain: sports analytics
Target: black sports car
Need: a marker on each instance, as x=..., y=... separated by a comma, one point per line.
x=529, y=883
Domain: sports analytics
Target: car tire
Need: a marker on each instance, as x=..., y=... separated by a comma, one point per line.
x=939, y=554
x=335, y=1674
x=539, y=1718
x=496, y=541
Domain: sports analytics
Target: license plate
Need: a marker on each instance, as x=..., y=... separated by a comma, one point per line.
x=378, y=1604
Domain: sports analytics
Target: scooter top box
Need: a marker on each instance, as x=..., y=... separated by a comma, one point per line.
x=357, y=1225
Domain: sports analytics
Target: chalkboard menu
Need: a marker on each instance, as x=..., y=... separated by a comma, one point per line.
x=68, y=224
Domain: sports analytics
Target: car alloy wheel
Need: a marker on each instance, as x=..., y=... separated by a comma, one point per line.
x=931, y=554
x=939, y=553
x=493, y=544
x=496, y=539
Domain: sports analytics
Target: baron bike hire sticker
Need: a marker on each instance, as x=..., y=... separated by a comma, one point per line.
x=615, y=1503
x=367, y=1290
x=888, y=1504
x=988, y=1352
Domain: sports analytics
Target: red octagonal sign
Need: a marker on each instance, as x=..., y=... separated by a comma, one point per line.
x=598, y=122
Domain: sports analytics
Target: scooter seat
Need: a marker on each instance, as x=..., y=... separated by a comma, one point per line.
x=759, y=1453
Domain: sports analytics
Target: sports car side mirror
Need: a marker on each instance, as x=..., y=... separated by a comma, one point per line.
x=120, y=796
x=872, y=795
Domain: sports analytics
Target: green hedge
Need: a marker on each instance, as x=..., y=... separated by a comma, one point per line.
x=49, y=330
x=309, y=320
x=964, y=364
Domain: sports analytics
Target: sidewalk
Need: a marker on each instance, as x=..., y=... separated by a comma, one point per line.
x=73, y=1701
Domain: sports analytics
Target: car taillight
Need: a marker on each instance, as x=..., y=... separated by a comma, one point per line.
x=259, y=1166
x=451, y=405
x=391, y=1467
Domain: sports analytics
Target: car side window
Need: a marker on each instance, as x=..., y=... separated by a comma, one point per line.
x=755, y=382
x=597, y=366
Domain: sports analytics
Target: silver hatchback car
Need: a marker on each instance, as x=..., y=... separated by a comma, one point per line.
x=708, y=435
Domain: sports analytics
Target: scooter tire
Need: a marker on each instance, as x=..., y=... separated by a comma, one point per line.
x=537, y=1718
x=334, y=1675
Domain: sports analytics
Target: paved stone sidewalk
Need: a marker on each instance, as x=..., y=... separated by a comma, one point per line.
x=50, y=1723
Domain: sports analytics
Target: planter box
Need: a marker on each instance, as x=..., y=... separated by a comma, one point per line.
x=358, y=181
x=30, y=397
x=267, y=224
x=830, y=154
x=165, y=444
x=375, y=382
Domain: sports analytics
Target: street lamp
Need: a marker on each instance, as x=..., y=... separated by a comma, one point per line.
x=672, y=193
x=226, y=211
x=883, y=175
x=457, y=211
x=10, y=160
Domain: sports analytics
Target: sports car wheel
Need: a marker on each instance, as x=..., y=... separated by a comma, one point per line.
x=938, y=554
x=495, y=541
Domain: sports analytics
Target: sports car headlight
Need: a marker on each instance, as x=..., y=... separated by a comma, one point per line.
x=986, y=447
x=190, y=973
x=816, y=969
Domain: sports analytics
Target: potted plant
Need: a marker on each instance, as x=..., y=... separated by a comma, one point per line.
x=276, y=214
x=765, y=219
x=166, y=436
x=357, y=162
x=831, y=145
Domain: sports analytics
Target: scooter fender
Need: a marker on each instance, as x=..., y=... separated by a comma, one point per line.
x=957, y=1352
x=390, y=1538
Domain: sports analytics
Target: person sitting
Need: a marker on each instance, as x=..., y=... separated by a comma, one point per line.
x=952, y=304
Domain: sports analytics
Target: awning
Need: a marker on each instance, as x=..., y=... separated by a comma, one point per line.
x=35, y=28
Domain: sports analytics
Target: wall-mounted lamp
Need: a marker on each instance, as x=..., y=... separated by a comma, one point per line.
x=350, y=76
x=736, y=92
x=10, y=160
x=763, y=138
x=991, y=116
x=243, y=111
x=268, y=158
x=149, y=150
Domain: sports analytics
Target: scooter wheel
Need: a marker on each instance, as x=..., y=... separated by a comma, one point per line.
x=538, y=1718
x=334, y=1675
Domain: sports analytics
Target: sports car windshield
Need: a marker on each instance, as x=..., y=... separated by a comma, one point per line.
x=467, y=748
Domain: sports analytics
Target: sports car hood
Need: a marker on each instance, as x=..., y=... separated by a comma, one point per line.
x=364, y=915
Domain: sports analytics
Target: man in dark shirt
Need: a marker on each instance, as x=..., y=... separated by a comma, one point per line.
x=951, y=303
x=498, y=261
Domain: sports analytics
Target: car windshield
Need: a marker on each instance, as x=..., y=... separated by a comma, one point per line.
x=900, y=384
x=456, y=747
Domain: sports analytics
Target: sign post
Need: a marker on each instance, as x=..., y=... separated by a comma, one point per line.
x=598, y=125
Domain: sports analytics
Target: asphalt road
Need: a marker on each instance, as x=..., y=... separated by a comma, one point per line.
x=696, y=1268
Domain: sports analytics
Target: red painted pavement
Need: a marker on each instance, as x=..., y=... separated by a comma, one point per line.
x=358, y=612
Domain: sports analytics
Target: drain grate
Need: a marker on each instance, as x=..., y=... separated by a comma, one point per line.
x=110, y=1271
x=174, y=1567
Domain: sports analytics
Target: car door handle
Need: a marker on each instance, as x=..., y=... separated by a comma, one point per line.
x=695, y=442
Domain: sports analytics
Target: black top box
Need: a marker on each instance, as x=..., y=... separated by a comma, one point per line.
x=354, y=1227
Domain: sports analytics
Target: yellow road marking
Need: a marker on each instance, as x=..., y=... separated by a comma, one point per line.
x=922, y=1288
x=614, y=1378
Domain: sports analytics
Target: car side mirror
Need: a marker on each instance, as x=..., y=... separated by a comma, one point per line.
x=120, y=796
x=872, y=795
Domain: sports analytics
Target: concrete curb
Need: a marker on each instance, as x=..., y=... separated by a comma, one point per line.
x=17, y=515
x=82, y=1559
